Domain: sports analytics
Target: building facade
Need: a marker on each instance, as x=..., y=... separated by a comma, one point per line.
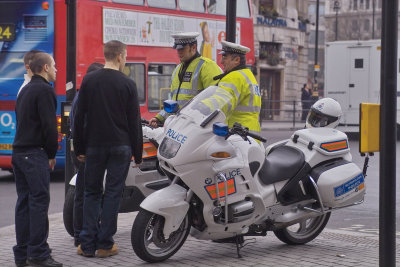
x=353, y=20
x=281, y=36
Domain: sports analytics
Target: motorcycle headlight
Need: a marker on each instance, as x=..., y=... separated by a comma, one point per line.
x=169, y=148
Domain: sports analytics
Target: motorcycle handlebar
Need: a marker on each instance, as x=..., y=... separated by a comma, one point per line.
x=146, y=122
x=257, y=137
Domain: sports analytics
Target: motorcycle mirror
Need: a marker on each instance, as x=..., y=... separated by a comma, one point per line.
x=220, y=129
x=171, y=106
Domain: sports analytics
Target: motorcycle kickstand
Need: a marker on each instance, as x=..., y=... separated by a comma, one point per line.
x=239, y=244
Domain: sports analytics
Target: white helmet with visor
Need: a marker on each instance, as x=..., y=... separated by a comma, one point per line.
x=326, y=112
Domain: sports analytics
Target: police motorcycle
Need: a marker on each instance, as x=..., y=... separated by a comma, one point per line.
x=226, y=185
x=140, y=182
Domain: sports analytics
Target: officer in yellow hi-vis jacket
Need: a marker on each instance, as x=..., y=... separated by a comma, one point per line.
x=240, y=82
x=192, y=75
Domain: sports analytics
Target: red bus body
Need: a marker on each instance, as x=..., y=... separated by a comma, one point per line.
x=89, y=44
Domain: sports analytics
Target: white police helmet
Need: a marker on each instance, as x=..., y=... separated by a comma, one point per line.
x=326, y=112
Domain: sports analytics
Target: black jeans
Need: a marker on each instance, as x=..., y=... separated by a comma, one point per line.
x=116, y=160
x=78, y=199
x=32, y=178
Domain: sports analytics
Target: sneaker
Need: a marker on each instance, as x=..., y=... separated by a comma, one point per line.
x=103, y=253
x=21, y=263
x=82, y=253
x=49, y=262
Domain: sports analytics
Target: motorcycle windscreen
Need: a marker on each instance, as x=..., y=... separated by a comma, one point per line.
x=209, y=100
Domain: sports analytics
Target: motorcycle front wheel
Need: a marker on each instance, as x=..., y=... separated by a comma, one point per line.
x=304, y=231
x=148, y=239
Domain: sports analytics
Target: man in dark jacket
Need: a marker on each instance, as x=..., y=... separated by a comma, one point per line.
x=80, y=167
x=34, y=150
x=108, y=100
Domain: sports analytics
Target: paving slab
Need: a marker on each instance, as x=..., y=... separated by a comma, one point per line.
x=330, y=248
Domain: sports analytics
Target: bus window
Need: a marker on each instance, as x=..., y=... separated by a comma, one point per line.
x=130, y=2
x=135, y=71
x=158, y=84
x=219, y=7
x=192, y=5
x=170, y=4
x=13, y=69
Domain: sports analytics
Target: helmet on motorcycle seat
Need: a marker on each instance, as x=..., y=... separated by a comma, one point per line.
x=326, y=112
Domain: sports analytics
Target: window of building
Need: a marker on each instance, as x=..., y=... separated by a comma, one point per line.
x=367, y=4
x=378, y=23
x=169, y=4
x=359, y=63
x=130, y=2
x=192, y=5
x=135, y=71
x=355, y=4
x=321, y=37
x=266, y=8
x=366, y=25
x=219, y=7
x=271, y=52
x=158, y=84
x=354, y=25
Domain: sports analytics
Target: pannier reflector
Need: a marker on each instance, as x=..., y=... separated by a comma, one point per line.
x=335, y=146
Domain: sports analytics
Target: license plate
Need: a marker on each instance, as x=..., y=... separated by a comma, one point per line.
x=5, y=146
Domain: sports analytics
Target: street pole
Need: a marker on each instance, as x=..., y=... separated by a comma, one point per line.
x=336, y=7
x=71, y=77
x=373, y=19
x=231, y=21
x=336, y=25
x=387, y=155
x=315, y=93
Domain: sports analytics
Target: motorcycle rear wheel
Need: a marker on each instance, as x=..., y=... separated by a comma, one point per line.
x=148, y=240
x=304, y=231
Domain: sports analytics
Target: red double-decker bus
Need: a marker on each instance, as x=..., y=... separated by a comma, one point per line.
x=144, y=25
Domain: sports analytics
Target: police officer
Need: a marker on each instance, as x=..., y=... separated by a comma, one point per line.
x=240, y=82
x=192, y=75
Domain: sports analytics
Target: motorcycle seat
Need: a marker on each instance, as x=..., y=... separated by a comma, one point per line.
x=281, y=164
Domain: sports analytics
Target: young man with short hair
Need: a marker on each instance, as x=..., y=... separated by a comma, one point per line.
x=34, y=150
x=108, y=102
x=27, y=77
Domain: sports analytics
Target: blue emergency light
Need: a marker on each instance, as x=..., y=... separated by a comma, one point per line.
x=220, y=129
x=171, y=106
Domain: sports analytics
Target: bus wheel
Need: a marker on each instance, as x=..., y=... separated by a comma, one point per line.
x=68, y=211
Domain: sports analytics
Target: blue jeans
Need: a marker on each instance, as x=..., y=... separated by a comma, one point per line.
x=116, y=160
x=78, y=199
x=32, y=178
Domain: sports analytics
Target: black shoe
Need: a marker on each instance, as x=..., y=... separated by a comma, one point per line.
x=21, y=263
x=49, y=262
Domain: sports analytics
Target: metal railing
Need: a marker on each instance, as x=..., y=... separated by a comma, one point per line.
x=293, y=111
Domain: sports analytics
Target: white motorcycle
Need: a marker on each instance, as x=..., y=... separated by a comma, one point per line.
x=226, y=185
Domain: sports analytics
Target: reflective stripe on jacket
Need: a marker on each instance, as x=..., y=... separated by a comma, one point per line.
x=198, y=76
x=246, y=102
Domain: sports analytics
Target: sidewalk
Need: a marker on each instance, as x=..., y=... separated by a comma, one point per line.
x=331, y=248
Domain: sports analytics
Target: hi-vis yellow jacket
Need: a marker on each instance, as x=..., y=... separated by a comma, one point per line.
x=198, y=76
x=245, y=105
